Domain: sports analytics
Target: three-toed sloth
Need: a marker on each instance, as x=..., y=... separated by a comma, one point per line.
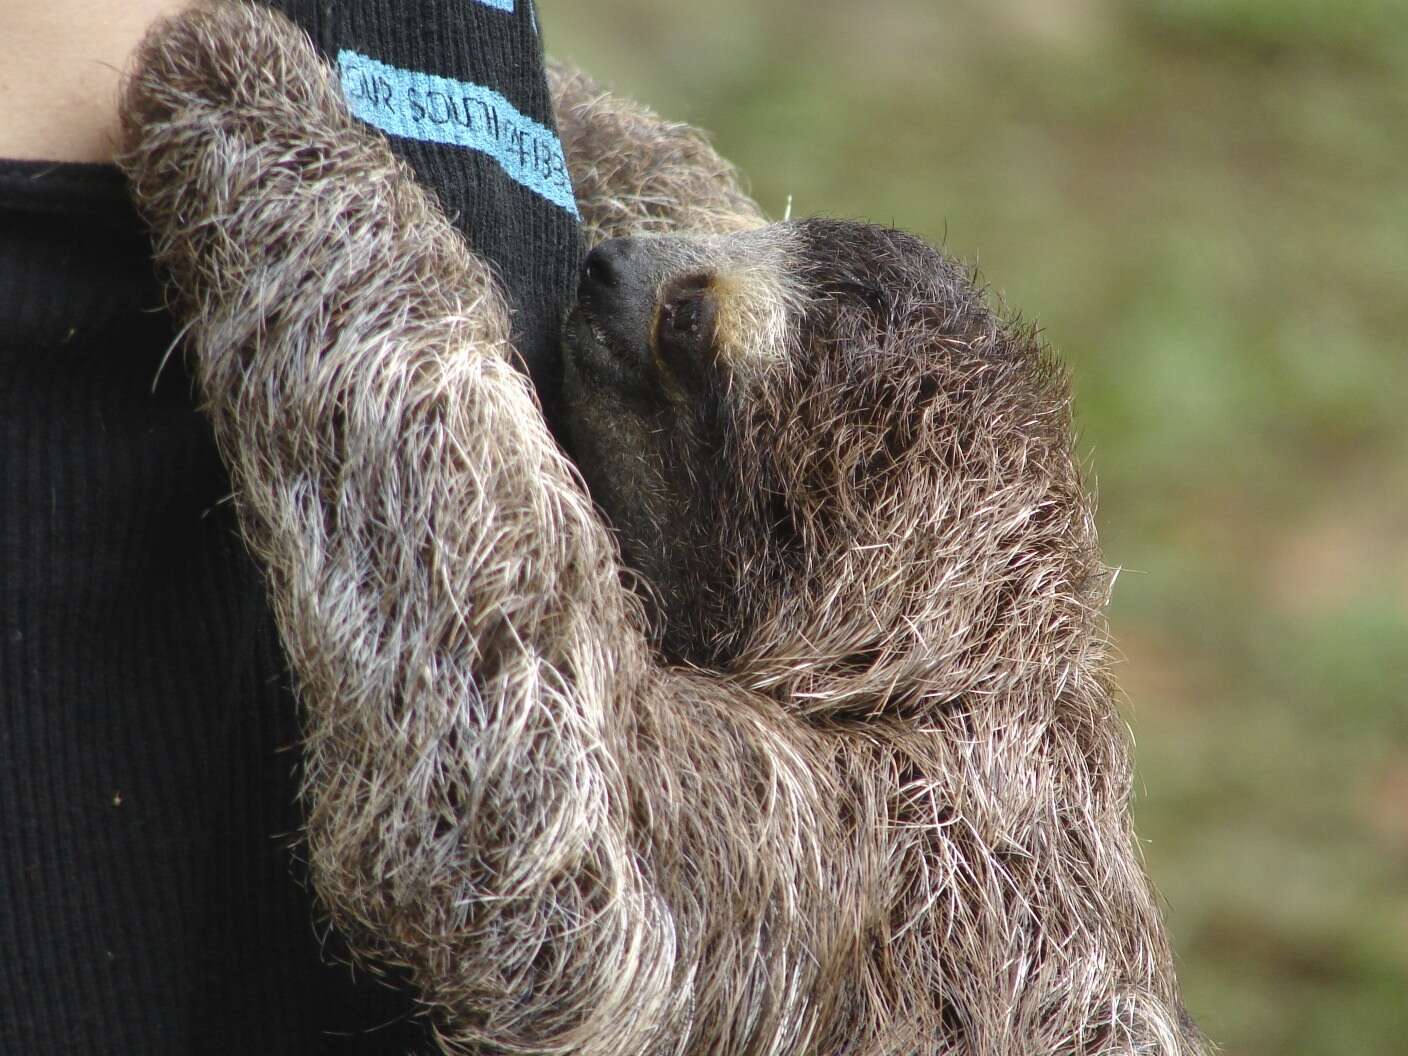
x=813, y=750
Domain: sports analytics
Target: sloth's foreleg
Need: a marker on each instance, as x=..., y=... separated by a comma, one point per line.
x=568, y=848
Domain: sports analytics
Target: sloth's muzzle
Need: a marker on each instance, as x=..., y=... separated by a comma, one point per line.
x=617, y=295
x=654, y=317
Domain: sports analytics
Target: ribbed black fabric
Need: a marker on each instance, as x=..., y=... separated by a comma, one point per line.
x=533, y=244
x=149, y=899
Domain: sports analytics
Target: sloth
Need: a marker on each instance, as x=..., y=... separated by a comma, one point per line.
x=791, y=729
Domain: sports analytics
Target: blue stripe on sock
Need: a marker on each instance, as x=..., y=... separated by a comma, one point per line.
x=458, y=113
x=502, y=5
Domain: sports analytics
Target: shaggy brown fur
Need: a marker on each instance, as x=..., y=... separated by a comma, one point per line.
x=634, y=173
x=885, y=811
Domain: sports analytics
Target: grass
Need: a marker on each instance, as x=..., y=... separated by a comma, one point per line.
x=1205, y=204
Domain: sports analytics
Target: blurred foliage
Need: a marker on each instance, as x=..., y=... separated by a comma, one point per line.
x=1205, y=204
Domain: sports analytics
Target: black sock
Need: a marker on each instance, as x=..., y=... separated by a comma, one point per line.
x=459, y=88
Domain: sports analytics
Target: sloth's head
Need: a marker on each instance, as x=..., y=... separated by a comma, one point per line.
x=816, y=426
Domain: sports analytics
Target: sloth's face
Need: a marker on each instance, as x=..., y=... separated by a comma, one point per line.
x=674, y=339
x=664, y=333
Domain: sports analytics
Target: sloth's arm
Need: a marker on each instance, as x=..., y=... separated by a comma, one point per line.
x=569, y=848
x=636, y=173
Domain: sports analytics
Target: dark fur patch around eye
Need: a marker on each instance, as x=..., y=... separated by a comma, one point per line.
x=685, y=331
x=868, y=294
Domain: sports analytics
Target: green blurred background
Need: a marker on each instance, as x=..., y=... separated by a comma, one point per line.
x=1205, y=204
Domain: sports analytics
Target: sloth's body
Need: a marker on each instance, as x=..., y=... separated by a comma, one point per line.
x=851, y=781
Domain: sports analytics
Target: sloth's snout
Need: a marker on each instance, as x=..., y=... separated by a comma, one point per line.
x=603, y=267
x=616, y=273
x=617, y=292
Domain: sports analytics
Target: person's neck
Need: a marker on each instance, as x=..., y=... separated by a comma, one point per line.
x=61, y=63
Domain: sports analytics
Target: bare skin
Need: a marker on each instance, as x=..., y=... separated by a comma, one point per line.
x=60, y=65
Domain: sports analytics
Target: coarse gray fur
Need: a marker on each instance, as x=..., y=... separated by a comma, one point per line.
x=634, y=173
x=874, y=801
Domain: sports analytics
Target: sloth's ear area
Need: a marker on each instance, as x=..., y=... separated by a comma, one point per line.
x=869, y=295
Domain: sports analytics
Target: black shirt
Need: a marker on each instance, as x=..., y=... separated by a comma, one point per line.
x=149, y=893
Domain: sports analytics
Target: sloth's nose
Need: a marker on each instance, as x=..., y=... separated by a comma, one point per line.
x=607, y=266
x=618, y=291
